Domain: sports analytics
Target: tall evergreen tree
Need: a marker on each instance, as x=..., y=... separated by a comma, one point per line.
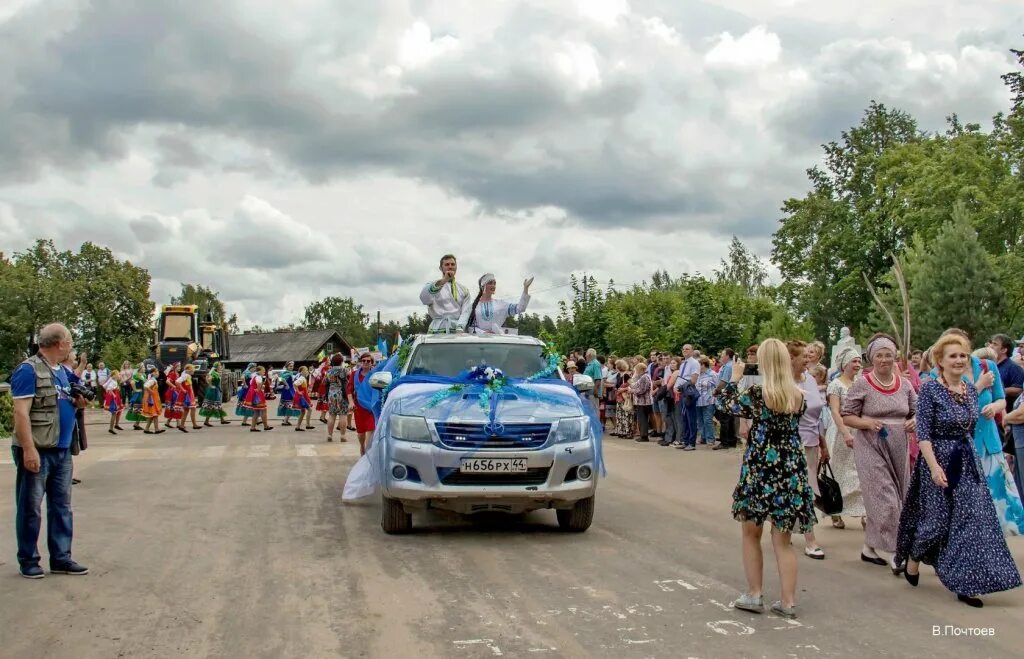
x=955, y=284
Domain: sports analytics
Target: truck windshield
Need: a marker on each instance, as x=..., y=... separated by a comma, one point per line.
x=450, y=359
x=177, y=326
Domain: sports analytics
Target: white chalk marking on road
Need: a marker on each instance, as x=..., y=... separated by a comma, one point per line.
x=213, y=451
x=306, y=450
x=487, y=642
x=721, y=627
x=608, y=608
x=790, y=624
x=809, y=647
x=724, y=607
x=543, y=650
x=259, y=451
x=630, y=641
x=664, y=585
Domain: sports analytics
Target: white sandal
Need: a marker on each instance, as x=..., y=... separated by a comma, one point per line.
x=817, y=553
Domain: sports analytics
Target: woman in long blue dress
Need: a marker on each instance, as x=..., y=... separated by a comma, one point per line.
x=949, y=520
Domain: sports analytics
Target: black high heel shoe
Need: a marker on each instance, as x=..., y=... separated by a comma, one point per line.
x=912, y=579
x=971, y=601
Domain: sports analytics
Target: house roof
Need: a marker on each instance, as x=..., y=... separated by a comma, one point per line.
x=296, y=345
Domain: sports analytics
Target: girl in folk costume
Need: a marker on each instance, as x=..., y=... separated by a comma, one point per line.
x=135, y=385
x=255, y=401
x=287, y=389
x=151, y=403
x=318, y=385
x=189, y=400
x=112, y=401
x=243, y=391
x=487, y=315
x=301, y=402
x=447, y=302
x=174, y=399
x=213, y=405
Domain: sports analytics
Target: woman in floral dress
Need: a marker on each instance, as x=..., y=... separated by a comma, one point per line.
x=773, y=484
x=337, y=401
x=949, y=520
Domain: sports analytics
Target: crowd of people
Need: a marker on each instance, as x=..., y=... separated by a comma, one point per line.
x=923, y=449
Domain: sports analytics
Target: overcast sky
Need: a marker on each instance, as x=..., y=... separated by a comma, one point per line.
x=284, y=151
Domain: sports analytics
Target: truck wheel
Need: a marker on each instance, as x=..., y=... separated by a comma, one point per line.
x=578, y=518
x=393, y=518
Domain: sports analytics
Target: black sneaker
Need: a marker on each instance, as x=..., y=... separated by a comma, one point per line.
x=32, y=572
x=70, y=567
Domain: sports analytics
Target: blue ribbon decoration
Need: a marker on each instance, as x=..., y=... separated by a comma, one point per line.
x=472, y=383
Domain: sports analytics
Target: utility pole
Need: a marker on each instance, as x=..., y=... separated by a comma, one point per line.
x=378, y=326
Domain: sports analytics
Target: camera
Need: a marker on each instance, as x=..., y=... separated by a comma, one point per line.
x=79, y=389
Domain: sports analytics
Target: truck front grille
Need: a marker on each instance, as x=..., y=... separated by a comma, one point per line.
x=471, y=436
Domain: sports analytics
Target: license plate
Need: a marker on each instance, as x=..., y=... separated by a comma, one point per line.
x=492, y=465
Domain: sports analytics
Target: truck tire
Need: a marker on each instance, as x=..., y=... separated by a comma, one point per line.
x=578, y=518
x=393, y=518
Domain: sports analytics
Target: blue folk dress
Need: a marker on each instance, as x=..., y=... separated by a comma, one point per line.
x=954, y=529
x=989, y=446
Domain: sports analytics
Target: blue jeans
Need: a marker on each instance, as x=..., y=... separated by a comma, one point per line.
x=668, y=412
x=705, y=415
x=689, y=422
x=54, y=482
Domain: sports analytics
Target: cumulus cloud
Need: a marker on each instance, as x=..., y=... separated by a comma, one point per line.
x=281, y=152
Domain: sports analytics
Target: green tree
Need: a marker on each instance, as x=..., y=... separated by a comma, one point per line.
x=118, y=350
x=842, y=227
x=742, y=268
x=113, y=300
x=98, y=297
x=208, y=300
x=581, y=321
x=341, y=314
x=955, y=284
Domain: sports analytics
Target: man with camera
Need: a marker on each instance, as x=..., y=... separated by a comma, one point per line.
x=44, y=423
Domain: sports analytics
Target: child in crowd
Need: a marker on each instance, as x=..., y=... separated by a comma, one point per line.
x=112, y=401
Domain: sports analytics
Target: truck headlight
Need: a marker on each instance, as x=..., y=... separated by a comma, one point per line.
x=571, y=429
x=409, y=428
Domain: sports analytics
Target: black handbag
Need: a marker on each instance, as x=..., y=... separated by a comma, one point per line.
x=830, y=499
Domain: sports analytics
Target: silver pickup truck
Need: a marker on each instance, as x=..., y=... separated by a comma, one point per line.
x=539, y=453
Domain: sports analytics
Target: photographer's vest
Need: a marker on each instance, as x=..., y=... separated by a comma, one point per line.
x=44, y=414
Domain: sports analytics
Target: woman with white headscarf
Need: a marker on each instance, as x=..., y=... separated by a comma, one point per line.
x=487, y=315
x=839, y=438
x=881, y=406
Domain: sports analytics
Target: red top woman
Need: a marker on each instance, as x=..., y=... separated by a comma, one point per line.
x=365, y=424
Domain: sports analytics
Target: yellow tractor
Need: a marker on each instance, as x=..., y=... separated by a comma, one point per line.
x=181, y=337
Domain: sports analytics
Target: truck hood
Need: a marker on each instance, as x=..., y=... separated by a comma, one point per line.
x=412, y=399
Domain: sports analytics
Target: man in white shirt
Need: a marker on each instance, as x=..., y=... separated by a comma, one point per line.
x=688, y=372
x=446, y=300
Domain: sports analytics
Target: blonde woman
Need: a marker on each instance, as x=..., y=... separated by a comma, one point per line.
x=773, y=484
x=949, y=519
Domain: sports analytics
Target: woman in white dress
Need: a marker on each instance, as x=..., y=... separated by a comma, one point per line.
x=839, y=438
x=487, y=315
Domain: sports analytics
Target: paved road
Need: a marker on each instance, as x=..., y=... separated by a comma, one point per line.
x=232, y=544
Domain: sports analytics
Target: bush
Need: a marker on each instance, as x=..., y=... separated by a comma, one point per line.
x=6, y=414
